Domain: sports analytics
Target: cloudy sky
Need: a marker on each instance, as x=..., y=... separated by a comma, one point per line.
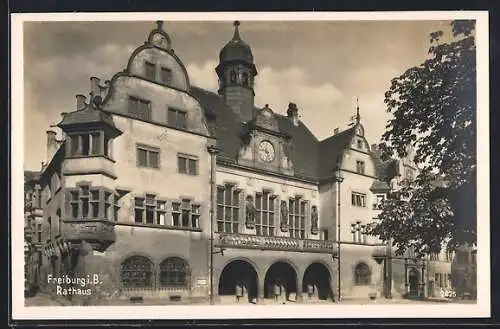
x=321, y=66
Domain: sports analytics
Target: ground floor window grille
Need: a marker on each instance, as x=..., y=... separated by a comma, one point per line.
x=137, y=272
x=174, y=272
x=362, y=275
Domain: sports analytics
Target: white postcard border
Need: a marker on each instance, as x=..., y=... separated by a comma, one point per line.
x=434, y=310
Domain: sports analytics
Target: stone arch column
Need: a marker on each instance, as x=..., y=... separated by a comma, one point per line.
x=300, y=281
x=260, y=286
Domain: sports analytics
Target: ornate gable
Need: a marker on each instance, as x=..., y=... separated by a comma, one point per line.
x=264, y=145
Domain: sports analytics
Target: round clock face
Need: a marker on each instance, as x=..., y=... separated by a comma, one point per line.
x=266, y=151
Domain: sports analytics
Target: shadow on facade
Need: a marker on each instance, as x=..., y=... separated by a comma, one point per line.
x=239, y=278
x=280, y=279
x=317, y=282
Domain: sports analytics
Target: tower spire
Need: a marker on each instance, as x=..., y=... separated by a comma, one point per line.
x=236, y=35
x=358, y=117
x=159, y=25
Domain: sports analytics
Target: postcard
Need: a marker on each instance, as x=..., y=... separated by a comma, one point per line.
x=250, y=165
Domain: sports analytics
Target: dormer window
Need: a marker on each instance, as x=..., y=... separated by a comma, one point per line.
x=232, y=77
x=360, y=167
x=166, y=76
x=139, y=108
x=244, y=78
x=176, y=118
x=359, y=143
x=150, y=71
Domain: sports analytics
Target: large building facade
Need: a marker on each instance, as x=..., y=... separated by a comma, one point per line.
x=169, y=191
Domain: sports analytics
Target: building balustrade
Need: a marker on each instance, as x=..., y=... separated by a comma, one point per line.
x=246, y=241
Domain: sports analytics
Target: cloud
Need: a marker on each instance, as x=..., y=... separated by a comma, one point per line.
x=203, y=75
x=321, y=106
x=51, y=85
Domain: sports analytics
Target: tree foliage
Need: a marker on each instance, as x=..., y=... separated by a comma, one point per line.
x=434, y=110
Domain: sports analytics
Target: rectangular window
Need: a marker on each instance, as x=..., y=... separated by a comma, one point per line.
x=75, y=198
x=187, y=164
x=161, y=209
x=86, y=203
x=139, y=108
x=176, y=118
x=139, y=210
x=148, y=157
x=150, y=209
x=325, y=235
x=84, y=199
x=436, y=279
x=74, y=144
x=185, y=214
x=264, y=217
x=116, y=207
x=358, y=199
x=296, y=210
x=166, y=75
x=108, y=210
x=380, y=200
x=150, y=71
x=85, y=144
x=360, y=167
x=195, y=216
x=88, y=144
x=96, y=143
x=227, y=209
x=94, y=203
x=176, y=214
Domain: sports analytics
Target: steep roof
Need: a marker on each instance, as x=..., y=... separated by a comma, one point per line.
x=227, y=129
x=312, y=159
x=330, y=150
x=89, y=114
x=236, y=49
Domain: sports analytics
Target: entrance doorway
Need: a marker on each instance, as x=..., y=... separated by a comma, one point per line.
x=239, y=273
x=413, y=282
x=317, y=278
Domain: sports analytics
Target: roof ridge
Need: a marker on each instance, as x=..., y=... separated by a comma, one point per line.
x=343, y=132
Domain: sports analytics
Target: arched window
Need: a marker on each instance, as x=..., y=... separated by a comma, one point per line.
x=232, y=77
x=174, y=272
x=362, y=275
x=137, y=273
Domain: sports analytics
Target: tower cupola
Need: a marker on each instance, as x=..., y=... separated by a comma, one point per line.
x=236, y=72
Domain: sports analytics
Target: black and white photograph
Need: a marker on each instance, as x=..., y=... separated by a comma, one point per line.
x=250, y=165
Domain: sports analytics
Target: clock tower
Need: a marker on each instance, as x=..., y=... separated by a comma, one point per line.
x=264, y=144
x=236, y=72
